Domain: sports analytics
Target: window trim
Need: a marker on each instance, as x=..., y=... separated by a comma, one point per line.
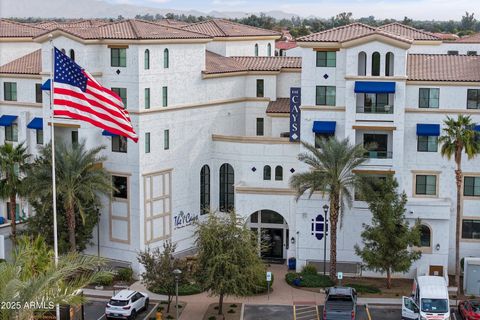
x=429, y=99
x=278, y=173
x=118, y=63
x=146, y=59
x=478, y=99
x=147, y=142
x=205, y=189
x=256, y=49
x=146, y=97
x=425, y=173
x=127, y=177
x=38, y=93
x=430, y=248
x=374, y=66
x=469, y=175
x=260, y=93
x=261, y=132
x=166, y=58
x=164, y=96
x=37, y=134
x=14, y=132
x=326, y=95
x=267, y=173
x=418, y=144
x=13, y=93
x=119, y=150
x=227, y=196
x=323, y=63
x=462, y=239
x=166, y=139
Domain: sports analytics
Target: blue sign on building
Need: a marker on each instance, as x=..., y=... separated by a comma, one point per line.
x=295, y=101
x=318, y=227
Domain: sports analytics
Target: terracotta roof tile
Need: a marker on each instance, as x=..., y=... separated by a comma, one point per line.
x=446, y=36
x=408, y=32
x=474, y=38
x=443, y=67
x=285, y=45
x=13, y=29
x=216, y=63
x=226, y=28
x=28, y=64
x=281, y=105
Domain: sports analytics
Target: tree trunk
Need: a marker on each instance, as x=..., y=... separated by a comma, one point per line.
x=169, y=300
x=13, y=217
x=71, y=228
x=220, y=304
x=389, y=279
x=334, y=212
x=458, y=176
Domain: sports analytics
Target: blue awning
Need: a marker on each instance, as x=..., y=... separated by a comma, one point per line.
x=327, y=127
x=36, y=123
x=108, y=134
x=428, y=129
x=374, y=87
x=477, y=127
x=46, y=85
x=7, y=120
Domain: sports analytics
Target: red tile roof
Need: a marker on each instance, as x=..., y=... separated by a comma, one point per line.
x=474, y=38
x=443, y=67
x=13, y=29
x=408, y=32
x=281, y=105
x=215, y=63
x=226, y=28
x=28, y=64
x=285, y=45
x=446, y=36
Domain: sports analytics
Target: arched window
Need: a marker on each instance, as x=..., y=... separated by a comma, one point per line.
x=205, y=189
x=425, y=236
x=267, y=173
x=256, y=49
x=72, y=54
x=227, y=178
x=362, y=64
x=375, y=64
x=389, y=63
x=278, y=173
x=63, y=51
x=166, y=58
x=146, y=59
x=269, y=50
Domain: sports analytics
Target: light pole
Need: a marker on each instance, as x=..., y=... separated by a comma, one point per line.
x=176, y=273
x=325, y=210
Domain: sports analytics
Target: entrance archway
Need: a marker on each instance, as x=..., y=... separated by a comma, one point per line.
x=272, y=229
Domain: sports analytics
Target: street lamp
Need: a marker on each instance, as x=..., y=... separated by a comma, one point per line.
x=176, y=273
x=325, y=210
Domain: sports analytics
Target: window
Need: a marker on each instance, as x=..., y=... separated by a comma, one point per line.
x=267, y=173
x=473, y=99
x=227, y=179
x=471, y=186
x=425, y=236
x=320, y=136
x=428, y=97
x=471, y=53
x=375, y=64
x=269, y=50
x=72, y=54
x=326, y=58
x=260, y=88
x=166, y=139
x=74, y=137
x=146, y=59
x=63, y=51
x=427, y=144
x=164, y=96
x=376, y=146
x=121, y=187
x=38, y=93
x=147, y=142
x=452, y=52
x=470, y=229
x=17, y=211
x=362, y=63
x=376, y=103
x=118, y=57
x=325, y=96
x=426, y=185
x=389, y=63
x=11, y=133
x=119, y=144
x=39, y=136
x=256, y=49
x=205, y=189
x=122, y=93
x=147, y=98
x=10, y=91
x=260, y=126
x=278, y=173
x=166, y=58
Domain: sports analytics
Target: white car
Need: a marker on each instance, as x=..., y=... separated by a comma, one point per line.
x=126, y=304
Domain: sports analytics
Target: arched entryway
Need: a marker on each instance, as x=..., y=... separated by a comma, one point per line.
x=272, y=228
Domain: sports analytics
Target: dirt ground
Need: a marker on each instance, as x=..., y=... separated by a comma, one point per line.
x=173, y=312
x=400, y=287
x=212, y=312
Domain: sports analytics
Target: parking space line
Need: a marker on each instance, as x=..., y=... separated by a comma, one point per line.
x=454, y=316
x=103, y=316
x=368, y=312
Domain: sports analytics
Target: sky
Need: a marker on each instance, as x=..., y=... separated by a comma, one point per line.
x=417, y=9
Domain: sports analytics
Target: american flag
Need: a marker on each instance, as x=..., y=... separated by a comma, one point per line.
x=77, y=95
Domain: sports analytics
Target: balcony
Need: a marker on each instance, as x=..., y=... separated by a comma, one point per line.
x=375, y=109
x=378, y=154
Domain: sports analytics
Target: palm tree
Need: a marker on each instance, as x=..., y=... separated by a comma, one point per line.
x=459, y=135
x=13, y=165
x=330, y=173
x=80, y=179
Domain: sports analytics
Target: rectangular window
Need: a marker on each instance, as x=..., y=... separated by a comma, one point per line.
x=118, y=57
x=17, y=211
x=471, y=53
x=376, y=146
x=426, y=185
x=11, y=133
x=74, y=137
x=429, y=97
x=10, y=91
x=452, y=52
x=260, y=126
x=122, y=93
x=121, y=187
x=147, y=98
x=473, y=99
x=260, y=88
x=376, y=103
x=320, y=136
x=147, y=142
x=326, y=58
x=325, y=96
x=164, y=96
x=39, y=134
x=470, y=229
x=166, y=139
x=119, y=144
x=471, y=186
x=427, y=144
x=38, y=93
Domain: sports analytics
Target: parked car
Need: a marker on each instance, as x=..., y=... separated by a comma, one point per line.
x=469, y=309
x=340, y=304
x=126, y=304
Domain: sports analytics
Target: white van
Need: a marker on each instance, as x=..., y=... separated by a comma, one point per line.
x=429, y=300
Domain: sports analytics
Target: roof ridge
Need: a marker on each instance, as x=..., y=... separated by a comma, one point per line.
x=247, y=25
x=216, y=24
x=136, y=32
x=339, y=28
x=409, y=27
x=21, y=23
x=157, y=23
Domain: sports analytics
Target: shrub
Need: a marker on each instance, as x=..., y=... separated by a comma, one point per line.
x=185, y=289
x=231, y=311
x=309, y=269
x=361, y=288
x=233, y=305
x=309, y=280
x=170, y=317
x=124, y=274
x=105, y=279
x=262, y=286
x=212, y=318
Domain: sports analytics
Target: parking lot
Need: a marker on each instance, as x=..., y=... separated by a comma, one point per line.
x=95, y=310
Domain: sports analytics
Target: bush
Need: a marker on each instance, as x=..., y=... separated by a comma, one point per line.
x=233, y=305
x=309, y=269
x=212, y=318
x=185, y=289
x=309, y=280
x=361, y=288
x=262, y=286
x=231, y=311
x=124, y=274
x=105, y=279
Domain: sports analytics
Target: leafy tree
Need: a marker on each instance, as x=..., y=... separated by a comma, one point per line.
x=389, y=240
x=13, y=165
x=459, y=136
x=227, y=256
x=331, y=174
x=468, y=21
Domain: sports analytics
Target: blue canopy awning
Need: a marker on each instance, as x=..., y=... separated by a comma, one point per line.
x=477, y=127
x=374, y=87
x=327, y=127
x=424, y=129
x=7, y=120
x=36, y=123
x=46, y=85
x=108, y=134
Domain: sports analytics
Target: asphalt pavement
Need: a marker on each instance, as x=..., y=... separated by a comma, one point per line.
x=95, y=310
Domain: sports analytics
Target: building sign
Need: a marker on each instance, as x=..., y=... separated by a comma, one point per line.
x=318, y=225
x=182, y=219
x=295, y=101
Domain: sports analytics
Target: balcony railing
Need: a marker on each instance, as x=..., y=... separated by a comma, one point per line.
x=388, y=109
x=378, y=154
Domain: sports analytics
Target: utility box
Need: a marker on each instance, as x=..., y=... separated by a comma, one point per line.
x=471, y=276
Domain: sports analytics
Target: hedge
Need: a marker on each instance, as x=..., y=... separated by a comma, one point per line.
x=309, y=280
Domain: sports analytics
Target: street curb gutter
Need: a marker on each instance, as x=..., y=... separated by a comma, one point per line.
x=242, y=311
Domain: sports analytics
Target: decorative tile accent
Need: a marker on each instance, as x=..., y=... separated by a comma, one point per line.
x=118, y=71
x=292, y=170
x=254, y=169
x=325, y=76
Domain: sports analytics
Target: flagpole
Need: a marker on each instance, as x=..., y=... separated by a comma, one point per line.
x=54, y=186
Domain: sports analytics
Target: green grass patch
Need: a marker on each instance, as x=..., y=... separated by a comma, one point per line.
x=361, y=288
